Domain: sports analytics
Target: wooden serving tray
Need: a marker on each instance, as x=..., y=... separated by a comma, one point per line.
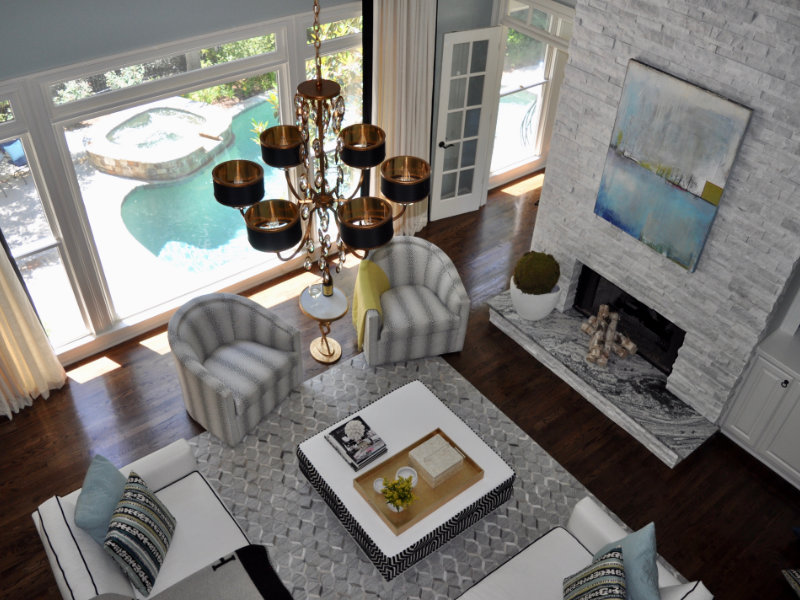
x=428, y=498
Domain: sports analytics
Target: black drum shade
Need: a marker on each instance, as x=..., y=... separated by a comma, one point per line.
x=238, y=183
x=281, y=146
x=273, y=225
x=405, y=179
x=365, y=222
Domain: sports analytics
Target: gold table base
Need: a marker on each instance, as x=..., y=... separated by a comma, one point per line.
x=326, y=350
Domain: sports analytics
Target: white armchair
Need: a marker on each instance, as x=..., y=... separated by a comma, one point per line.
x=236, y=361
x=426, y=308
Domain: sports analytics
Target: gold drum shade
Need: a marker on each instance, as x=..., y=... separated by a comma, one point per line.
x=273, y=225
x=365, y=222
x=281, y=146
x=363, y=146
x=405, y=179
x=238, y=183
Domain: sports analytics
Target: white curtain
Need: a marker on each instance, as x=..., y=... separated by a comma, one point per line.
x=28, y=366
x=402, y=87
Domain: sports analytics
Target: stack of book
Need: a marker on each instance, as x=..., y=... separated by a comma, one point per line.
x=357, y=451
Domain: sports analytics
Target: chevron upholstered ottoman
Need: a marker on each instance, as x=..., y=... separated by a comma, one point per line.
x=401, y=417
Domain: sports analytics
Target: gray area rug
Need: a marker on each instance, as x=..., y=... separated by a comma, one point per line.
x=314, y=556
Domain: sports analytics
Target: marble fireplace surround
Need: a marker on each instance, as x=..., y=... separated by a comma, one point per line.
x=631, y=392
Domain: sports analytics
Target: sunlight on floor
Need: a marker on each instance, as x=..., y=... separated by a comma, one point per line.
x=157, y=343
x=529, y=184
x=92, y=369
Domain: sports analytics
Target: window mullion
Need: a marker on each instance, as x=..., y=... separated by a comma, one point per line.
x=65, y=212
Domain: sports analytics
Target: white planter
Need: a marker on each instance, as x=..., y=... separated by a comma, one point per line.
x=533, y=306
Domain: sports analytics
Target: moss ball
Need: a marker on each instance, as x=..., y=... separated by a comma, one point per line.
x=536, y=273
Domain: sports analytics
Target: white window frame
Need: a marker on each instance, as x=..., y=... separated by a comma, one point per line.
x=555, y=60
x=41, y=122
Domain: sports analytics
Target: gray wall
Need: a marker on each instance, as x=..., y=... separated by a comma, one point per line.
x=37, y=35
x=746, y=54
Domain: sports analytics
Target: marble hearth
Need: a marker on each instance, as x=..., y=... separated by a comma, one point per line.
x=630, y=392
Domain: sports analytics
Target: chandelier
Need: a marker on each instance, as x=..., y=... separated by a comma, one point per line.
x=314, y=150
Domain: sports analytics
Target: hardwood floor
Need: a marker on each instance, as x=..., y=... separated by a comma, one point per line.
x=720, y=515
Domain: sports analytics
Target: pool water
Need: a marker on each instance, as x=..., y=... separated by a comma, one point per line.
x=181, y=222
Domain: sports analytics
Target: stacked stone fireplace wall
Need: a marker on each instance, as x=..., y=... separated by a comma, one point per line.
x=748, y=52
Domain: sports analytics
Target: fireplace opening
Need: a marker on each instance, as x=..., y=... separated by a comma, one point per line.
x=657, y=338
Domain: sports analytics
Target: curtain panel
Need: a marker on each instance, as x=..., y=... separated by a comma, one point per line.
x=28, y=366
x=404, y=49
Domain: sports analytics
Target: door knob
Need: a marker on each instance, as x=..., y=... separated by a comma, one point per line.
x=445, y=146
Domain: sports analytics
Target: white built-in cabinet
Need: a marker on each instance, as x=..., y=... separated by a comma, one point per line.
x=764, y=417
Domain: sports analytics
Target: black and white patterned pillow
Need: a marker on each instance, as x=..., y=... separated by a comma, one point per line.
x=604, y=578
x=139, y=533
x=793, y=577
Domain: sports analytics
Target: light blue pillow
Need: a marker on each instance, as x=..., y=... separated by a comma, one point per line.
x=101, y=491
x=641, y=572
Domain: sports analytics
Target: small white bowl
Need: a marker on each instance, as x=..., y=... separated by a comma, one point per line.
x=407, y=472
x=377, y=485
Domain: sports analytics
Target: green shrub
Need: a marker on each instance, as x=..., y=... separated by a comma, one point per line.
x=536, y=273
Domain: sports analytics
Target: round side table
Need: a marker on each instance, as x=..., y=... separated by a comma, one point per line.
x=325, y=309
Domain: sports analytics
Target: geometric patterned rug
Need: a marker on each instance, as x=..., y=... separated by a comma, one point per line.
x=315, y=557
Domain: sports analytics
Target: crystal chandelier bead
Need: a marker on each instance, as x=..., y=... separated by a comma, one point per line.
x=305, y=212
x=342, y=255
x=310, y=246
x=305, y=111
x=339, y=145
x=339, y=268
x=303, y=182
x=319, y=179
x=317, y=146
x=308, y=264
x=340, y=105
x=339, y=175
x=323, y=222
x=322, y=262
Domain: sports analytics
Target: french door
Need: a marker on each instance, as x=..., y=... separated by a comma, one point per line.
x=471, y=68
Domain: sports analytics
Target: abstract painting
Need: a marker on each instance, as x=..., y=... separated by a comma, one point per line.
x=671, y=151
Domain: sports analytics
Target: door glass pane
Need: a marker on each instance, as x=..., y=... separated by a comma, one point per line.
x=472, y=121
x=519, y=111
x=480, y=51
x=475, y=93
x=30, y=238
x=451, y=157
x=453, y=131
x=449, y=185
x=52, y=295
x=145, y=180
x=460, y=58
x=458, y=92
x=465, y=182
x=468, y=155
x=524, y=62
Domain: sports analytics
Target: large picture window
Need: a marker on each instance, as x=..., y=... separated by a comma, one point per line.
x=112, y=220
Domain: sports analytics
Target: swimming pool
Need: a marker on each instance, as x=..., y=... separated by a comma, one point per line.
x=181, y=222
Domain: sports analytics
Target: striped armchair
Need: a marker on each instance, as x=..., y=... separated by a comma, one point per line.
x=236, y=361
x=426, y=308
